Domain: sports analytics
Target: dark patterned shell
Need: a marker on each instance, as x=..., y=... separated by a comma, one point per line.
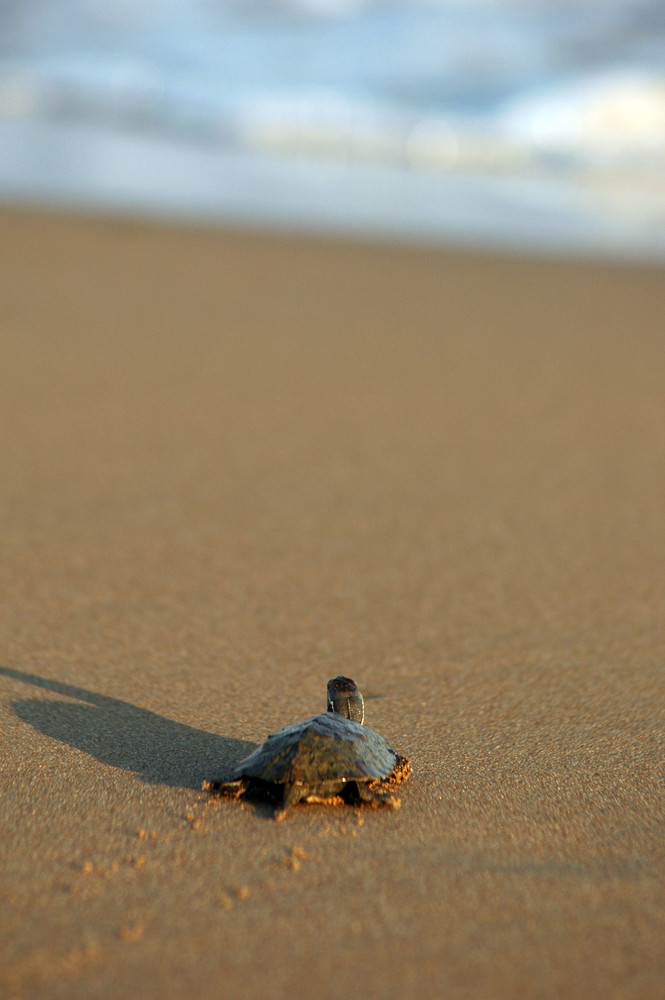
x=327, y=747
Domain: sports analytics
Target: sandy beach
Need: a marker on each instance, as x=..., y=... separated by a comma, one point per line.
x=236, y=465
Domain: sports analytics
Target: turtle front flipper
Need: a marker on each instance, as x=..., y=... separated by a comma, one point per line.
x=375, y=794
x=229, y=789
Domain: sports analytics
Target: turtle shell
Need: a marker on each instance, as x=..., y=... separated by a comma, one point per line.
x=327, y=747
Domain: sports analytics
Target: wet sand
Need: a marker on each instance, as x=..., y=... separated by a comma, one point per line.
x=236, y=465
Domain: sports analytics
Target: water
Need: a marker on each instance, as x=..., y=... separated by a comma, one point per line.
x=529, y=124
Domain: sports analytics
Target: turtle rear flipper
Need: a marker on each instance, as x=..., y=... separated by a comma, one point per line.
x=293, y=793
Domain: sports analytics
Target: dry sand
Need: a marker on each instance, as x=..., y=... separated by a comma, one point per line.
x=234, y=466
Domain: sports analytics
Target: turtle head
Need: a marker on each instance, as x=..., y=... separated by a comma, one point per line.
x=345, y=699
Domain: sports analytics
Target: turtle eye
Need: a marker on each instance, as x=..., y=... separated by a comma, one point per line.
x=357, y=709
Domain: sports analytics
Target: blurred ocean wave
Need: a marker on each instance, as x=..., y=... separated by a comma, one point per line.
x=399, y=118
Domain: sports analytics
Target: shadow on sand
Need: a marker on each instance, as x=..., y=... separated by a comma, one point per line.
x=118, y=733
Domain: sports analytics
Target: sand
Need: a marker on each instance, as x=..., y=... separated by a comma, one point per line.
x=235, y=465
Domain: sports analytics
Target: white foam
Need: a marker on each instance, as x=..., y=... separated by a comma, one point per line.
x=612, y=118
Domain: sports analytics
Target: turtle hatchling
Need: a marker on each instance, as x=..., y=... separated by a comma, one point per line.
x=330, y=758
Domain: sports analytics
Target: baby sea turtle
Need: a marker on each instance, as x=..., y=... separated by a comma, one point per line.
x=331, y=757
